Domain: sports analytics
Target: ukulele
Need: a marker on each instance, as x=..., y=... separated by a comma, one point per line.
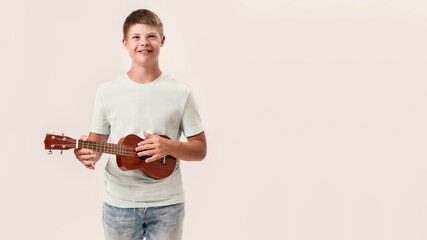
x=126, y=156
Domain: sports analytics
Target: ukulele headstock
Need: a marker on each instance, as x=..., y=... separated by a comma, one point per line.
x=58, y=142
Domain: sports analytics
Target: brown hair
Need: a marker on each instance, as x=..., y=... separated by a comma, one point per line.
x=143, y=16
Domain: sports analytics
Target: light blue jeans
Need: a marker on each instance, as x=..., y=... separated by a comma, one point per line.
x=153, y=223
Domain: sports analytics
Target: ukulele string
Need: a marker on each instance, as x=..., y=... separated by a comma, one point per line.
x=124, y=147
x=125, y=153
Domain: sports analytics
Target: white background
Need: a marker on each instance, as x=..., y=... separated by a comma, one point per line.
x=314, y=111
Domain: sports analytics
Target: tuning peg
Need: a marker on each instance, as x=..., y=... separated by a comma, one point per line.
x=50, y=152
x=63, y=134
x=61, y=152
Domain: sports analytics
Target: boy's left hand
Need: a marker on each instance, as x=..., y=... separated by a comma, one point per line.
x=155, y=146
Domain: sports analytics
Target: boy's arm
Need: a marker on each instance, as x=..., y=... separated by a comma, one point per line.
x=159, y=147
x=193, y=150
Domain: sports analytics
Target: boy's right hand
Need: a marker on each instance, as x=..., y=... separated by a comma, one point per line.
x=86, y=156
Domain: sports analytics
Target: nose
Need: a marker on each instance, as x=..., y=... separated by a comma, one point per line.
x=144, y=42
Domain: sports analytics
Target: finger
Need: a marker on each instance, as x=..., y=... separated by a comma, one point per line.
x=84, y=152
x=146, y=141
x=83, y=137
x=86, y=157
x=88, y=163
x=90, y=167
x=147, y=153
x=147, y=135
x=152, y=158
x=144, y=147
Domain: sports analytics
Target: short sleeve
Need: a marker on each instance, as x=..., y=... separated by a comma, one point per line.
x=100, y=123
x=191, y=123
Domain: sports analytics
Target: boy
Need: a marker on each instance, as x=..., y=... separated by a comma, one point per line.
x=148, y=103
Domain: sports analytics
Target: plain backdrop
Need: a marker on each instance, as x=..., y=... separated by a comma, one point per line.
x=314, y=111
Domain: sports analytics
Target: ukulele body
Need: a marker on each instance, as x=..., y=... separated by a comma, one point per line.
x=158, y=169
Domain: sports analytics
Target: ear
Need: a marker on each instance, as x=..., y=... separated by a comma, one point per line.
x=163, y=41
x=125, y=43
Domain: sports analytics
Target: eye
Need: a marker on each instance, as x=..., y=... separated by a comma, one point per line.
x=136, y=37
x=151, y=36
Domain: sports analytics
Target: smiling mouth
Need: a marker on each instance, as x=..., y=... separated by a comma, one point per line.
x=145, y=51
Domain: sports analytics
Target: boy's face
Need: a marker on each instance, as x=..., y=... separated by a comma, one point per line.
x=143, y=43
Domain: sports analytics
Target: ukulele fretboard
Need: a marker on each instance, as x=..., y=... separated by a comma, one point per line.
x=103, y=147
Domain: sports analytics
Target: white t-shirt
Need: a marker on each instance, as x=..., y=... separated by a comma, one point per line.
x=162, y=107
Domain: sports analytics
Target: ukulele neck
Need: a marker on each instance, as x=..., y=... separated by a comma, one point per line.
x=103, y=147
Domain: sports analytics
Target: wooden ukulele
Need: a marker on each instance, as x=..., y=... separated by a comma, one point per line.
x=126, y=156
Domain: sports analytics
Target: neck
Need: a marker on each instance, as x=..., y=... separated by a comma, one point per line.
x=144, y=74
